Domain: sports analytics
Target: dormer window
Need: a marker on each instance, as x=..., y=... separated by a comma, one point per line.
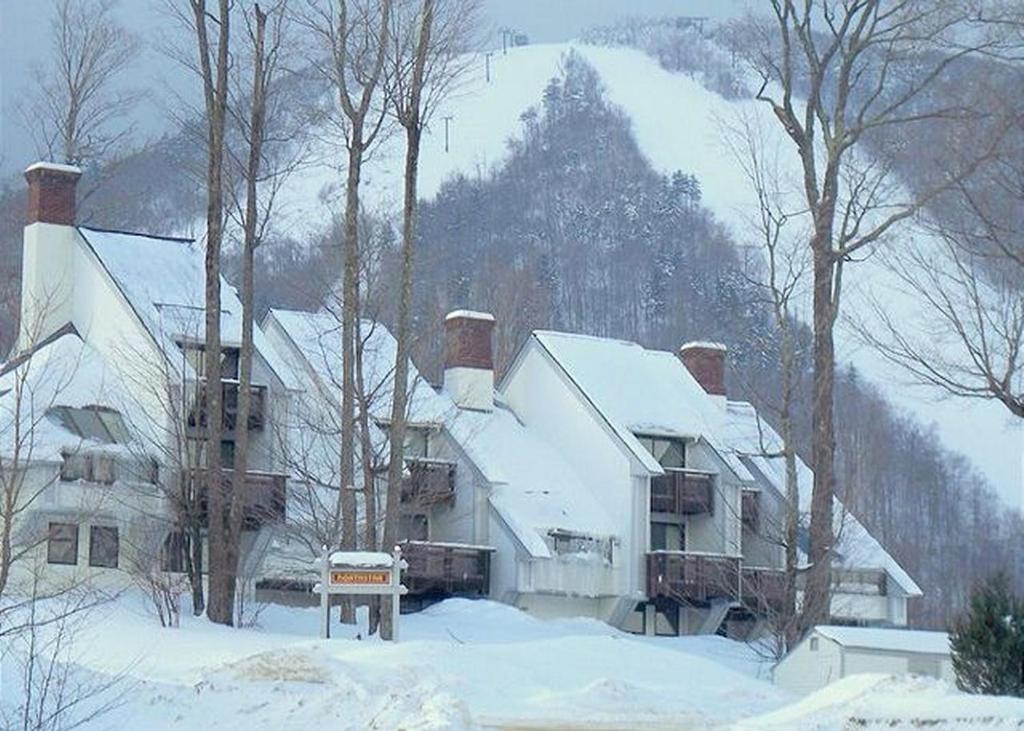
x=669, y=451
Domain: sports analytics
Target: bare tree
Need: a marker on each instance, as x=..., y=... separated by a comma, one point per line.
x=780, y=267
x=214, y=67
x=969, y=273
x=834, y=74
x=355, y=34
x=427, y=57
x=77, y=108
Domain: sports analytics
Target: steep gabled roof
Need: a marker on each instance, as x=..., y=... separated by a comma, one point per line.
x=60, y=371
x=163, y=280
x=638, y=391
x=534, y=489
x=749, y=437
x=317, y=337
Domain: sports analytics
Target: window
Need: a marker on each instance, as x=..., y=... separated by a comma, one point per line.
x=62, y=544
x=417, y=442
x=414, y=527
x=814, y=644
x=74, y=466
x=172, y=555
x=229, y=363
x=227, y=454
x=567, y=543
x=668, y=537
x=670, y=453
x=103, y=545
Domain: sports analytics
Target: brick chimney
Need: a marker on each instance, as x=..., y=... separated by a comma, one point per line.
x=51, y=193
x=706, y=363
x=48, y=251
x=469, y=360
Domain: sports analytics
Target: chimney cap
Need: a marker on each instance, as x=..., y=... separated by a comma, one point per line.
x=703, y=345
x=469, y=315
x=55, y=167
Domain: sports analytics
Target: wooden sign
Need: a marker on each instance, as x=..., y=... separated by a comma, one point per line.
x=354, y=572
x=360, y=578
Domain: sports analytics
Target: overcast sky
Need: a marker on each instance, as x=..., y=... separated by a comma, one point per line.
x=24, y=41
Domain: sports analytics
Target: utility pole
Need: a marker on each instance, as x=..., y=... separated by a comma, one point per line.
x=446, y=119
x=487, y=64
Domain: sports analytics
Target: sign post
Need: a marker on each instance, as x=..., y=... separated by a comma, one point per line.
x=362, y=573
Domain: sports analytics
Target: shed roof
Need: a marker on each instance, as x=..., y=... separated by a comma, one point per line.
x=891, y=640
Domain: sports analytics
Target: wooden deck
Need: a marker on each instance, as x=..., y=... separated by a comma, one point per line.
x=694, y=578
x=764, y=590
x=264, y=497
x=449, y=569
x=683, y=492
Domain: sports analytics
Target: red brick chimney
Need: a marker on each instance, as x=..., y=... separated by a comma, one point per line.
x=706, y=363
x=51, y=193
x=469, y=359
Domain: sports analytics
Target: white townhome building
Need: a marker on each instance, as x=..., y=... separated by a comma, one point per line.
x=101, y=402
x=600, y=478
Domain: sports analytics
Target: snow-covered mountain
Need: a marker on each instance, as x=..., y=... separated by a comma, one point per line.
x=679, y=125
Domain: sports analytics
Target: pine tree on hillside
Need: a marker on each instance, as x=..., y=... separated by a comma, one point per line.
x=988, y=641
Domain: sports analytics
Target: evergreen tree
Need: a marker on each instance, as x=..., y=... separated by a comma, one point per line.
x=988, y=641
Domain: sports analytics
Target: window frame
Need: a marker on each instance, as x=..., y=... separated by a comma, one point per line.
x=94, y=532
x=51, y=539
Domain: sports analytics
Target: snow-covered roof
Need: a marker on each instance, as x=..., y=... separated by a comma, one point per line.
x=317, y=337
x=469, y=315
x=361, y=559
x=749, y=437
x=893, y=640
x=62, y=371
x=639, y=391
x=534, y=490
x=163, y=280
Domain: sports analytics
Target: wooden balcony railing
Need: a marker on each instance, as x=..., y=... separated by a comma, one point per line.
x=692, y=577
x=452, y=569
x=683, y=492
x=750, y=509
x=430, y=483
x=229, y=408
x=764, y=590
x=264, y=499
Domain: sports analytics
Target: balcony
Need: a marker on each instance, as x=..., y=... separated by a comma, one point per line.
x=764, y=590
x=430, y=483
x=264, y=497
x=451, y=569
x=750, y=509
x=683, y=492
x=229, y=408
x=692, y=578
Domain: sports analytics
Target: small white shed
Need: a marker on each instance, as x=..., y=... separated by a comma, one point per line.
x=829, y=653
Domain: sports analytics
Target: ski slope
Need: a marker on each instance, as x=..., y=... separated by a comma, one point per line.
x=679, y=125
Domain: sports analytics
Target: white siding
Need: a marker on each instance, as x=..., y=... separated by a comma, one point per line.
x=540, y=394
x=805, y=670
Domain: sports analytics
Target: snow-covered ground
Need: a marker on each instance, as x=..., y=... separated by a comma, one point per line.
x=679, y=125
x=468, y=665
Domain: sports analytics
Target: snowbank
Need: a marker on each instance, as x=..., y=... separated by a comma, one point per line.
x=886, y=701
